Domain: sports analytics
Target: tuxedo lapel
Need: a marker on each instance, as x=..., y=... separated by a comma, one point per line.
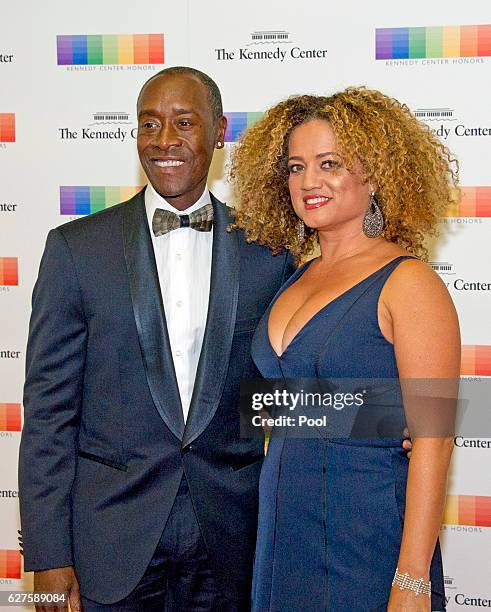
x=217, y=341
x=149, y=315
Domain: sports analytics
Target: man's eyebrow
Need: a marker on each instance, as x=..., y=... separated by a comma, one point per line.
x=177, y=111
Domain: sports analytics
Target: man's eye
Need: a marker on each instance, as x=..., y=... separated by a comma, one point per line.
x=149, y=125
x=184, y=123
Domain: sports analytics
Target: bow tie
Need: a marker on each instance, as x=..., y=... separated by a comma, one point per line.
x=165, y=221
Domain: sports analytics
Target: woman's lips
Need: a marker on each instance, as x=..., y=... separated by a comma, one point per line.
x=312, y=202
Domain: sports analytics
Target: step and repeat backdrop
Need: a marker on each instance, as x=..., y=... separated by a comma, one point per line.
x=69, y=76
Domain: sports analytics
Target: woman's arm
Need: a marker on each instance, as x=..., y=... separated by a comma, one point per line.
x=425, y=332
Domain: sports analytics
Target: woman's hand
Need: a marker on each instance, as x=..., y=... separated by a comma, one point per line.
x=407, y=601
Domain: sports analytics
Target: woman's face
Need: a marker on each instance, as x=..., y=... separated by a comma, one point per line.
x=324, y=194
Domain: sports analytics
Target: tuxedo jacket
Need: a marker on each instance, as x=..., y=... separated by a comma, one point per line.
x=104, y=445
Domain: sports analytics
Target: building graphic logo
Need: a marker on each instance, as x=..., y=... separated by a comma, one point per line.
x=10, y=419
x=265, y=37
x=110, y=118
x=93, y=49
x=9, y=271
x=433, y=42
x=237, y=123
x=7, y=127
x=85, y=200
x=442, y=267
x=434, y=114
x=476, y=360
x=475, y=202
x=10, y=564
x=471, y=510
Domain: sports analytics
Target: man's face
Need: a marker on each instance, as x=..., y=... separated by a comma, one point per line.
x=176, y=137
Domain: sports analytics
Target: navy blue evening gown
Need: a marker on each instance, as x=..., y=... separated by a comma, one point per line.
x=331, y=509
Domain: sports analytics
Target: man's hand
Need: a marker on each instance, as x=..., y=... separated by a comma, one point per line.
x=407, y=444
x=59, y=580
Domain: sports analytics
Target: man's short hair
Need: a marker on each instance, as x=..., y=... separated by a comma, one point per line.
x=214, y=94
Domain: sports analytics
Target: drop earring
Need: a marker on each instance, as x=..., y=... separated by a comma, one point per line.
x=373, y=221
x=301, y=230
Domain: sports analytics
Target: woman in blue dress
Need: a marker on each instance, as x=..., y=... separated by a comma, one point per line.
x=347, y=522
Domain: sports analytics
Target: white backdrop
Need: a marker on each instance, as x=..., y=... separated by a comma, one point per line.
x=258, y=52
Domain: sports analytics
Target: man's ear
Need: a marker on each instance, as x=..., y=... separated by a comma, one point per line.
x=220, y=132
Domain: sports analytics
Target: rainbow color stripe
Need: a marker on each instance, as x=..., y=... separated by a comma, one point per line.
x=237, y=123
x=88, y=200
x=439, y=41
x=7, y=127
x=473, y=510
x=475, y=360
x=110, y=49
x=10, y=564
x=9, y=271
x=10, y=417
x=475, y=202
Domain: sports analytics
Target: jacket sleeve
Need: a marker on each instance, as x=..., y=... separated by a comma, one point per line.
x=55, y=362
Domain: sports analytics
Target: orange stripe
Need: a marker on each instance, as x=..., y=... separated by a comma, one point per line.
x=467, y=206
x=468, y=41
x=483, y=201
x=483, y=360
x=10, y=564
x=483, y=511
x=467, y=510
x=468, y=360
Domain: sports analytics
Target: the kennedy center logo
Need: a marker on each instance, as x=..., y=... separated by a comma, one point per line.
x=457, y=281
x=270, y=45
x=109, y=50
x=108, y=126
x=444, y=123
x=85, y=200
x=433, y=45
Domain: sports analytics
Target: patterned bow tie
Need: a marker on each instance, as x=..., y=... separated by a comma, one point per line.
x=165, y=221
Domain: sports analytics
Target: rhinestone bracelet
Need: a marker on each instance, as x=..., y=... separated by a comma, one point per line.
x=407, y=582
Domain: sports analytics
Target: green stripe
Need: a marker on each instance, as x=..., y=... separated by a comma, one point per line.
x=417, y=42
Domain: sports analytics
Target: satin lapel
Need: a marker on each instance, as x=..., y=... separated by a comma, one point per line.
x=220, y=323
x=149, y=315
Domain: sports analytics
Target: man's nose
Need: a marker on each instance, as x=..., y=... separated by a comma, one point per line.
x=167, y=136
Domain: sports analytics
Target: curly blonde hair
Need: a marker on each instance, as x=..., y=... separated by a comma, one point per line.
x=415, y=174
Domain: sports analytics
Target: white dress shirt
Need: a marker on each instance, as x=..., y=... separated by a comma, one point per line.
x=183, y=259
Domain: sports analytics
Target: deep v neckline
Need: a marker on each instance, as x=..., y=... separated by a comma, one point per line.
x=294, y=278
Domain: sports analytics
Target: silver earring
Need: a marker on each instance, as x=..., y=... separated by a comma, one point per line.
x=219, y=145
x=301, y=230
x=373, y=221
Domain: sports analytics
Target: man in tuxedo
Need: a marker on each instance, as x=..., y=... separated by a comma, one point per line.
x=136, y=489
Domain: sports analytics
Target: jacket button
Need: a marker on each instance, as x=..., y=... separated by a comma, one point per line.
x=186, y=449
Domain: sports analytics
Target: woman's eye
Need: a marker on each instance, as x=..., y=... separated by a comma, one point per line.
x=330, y=163
x=294, y=168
